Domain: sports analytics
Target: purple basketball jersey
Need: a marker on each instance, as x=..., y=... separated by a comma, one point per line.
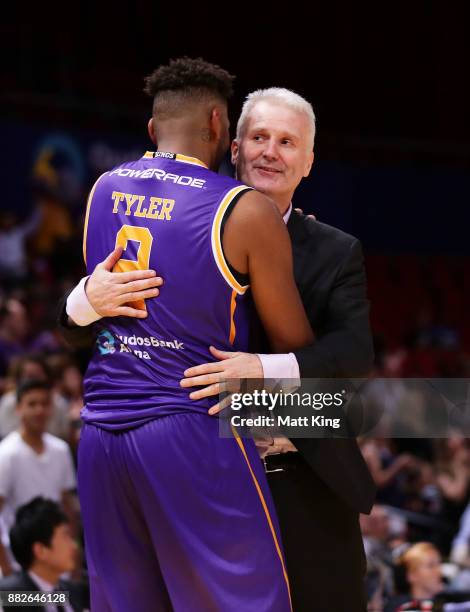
x=166, y=211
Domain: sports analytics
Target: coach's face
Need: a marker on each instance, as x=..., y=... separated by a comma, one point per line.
x=274, y=151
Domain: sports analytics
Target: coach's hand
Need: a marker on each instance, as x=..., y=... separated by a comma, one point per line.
x=109, y=292
x=230, y=365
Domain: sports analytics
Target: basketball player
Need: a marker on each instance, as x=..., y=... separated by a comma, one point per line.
x=175, y=517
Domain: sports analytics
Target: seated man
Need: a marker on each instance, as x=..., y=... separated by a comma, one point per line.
x=43, y=546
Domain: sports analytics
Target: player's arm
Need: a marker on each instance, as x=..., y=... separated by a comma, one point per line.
x=256, y=242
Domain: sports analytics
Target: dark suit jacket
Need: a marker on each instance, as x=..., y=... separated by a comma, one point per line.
x=329, y=272
x=20, y=581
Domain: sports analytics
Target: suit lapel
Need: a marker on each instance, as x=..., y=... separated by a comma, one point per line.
x=299, y=236
x=296, y=227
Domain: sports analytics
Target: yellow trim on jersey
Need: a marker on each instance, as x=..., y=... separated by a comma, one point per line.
x=190, y=160
x=233, y=306
x=178, y=157
x=217, y=242
x=87, y=214
x=266, y=511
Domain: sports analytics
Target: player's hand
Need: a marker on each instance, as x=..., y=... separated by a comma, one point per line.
x=210, y=375
x=110, y=292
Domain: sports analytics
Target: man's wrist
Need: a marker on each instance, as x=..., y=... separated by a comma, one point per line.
x=278, y=366
x=78, y=307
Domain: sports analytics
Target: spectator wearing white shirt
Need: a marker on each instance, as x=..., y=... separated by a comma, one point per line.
x=33, y=366
x=34, y=462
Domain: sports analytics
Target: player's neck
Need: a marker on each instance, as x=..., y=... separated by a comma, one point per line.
x=190, y=148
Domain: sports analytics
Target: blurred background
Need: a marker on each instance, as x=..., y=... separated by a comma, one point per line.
x=389, y=86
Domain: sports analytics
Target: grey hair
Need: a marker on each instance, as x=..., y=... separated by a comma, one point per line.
x=281, y=96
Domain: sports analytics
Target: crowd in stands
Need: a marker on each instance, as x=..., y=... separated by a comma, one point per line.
x=417, y=536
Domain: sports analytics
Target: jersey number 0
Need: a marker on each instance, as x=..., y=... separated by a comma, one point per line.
x=143, y=236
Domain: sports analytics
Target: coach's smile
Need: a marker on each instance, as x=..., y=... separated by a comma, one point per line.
x=267, y=170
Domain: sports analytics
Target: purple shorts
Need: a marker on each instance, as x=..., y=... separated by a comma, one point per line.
x=177, y=518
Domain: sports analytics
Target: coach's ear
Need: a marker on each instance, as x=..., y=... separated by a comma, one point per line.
x=151, y=132
x=235, y=147
x=309, y=163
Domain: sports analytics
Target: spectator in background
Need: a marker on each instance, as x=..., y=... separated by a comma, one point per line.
x=453, y=473
x=33, y=367
x=418, y=575
x=68, y=386
x=460, y=552
x=53, y=242
x=33, y=462
x=43, y=546
x=376, y=585
x=14, y=332
x=388, y=469
x=375, y=530
x=376, y=534
x=13, y=236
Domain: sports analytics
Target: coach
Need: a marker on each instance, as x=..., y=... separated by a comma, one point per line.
x=319, y=485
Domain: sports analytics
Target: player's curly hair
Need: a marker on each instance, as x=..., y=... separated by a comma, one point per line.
x=186, y=74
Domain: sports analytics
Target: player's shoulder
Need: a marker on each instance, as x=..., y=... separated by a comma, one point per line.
x=253, y=208
x=322, y=234
x=227, y=184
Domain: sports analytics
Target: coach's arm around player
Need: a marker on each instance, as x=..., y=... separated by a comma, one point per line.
x=343, y=343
